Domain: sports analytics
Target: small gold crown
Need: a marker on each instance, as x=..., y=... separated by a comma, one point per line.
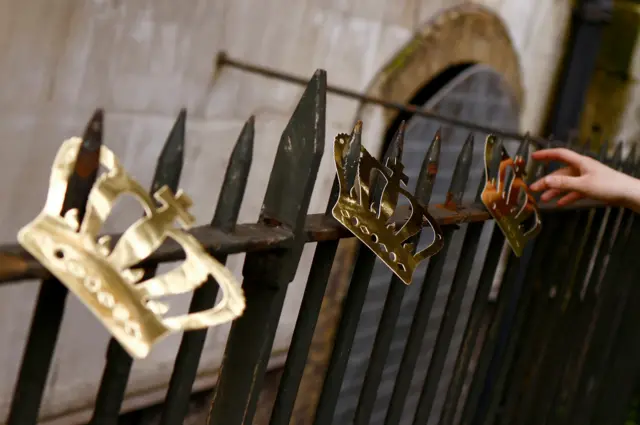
x=103, y=278
x=504, y=203
x=375, y=221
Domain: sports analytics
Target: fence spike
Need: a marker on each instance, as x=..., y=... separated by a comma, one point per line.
x=523, y=150
x=266, y=275
x=393, y=154
x=49, y=309
x=185, y=368
x=171, y=159
x=353, y=155
x=118, y=366
x=296, y=162
x=429, y=170
x=616, y=158
x=235, y=179
x=461, y=173
x=396, y=147
x=318, y=278
x=604, y=151
x=629, y=161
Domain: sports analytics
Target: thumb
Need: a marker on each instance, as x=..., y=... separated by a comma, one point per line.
x=563, y=183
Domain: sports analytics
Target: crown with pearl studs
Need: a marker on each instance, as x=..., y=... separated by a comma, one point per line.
x=503, y=199
x=372, y=215
x=104, y=278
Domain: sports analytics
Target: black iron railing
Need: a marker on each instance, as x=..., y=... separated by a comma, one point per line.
x=558, y=346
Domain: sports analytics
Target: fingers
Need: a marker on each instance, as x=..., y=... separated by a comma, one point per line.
x=570, y=198
x=560, y=180
x=550, y=194
x=559, y=154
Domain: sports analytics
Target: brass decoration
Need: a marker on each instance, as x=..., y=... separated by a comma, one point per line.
x=103, y=278
x=503, y=202
x=374, y=221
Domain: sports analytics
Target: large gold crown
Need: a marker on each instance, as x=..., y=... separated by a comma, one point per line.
x=105, y=279
x=504, y=203
x=375, y=221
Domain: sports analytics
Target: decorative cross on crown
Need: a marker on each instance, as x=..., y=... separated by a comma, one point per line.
x=104, y=278
x=371, y=214
x=504, y=202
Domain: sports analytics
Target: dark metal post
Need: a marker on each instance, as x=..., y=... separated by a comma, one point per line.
x=118, y=367
x=49, y=310
x=352, y=306
x=499, y=329
x=428, y=291
x=225, y=217
x=267, y=275
x=312, y=300
x=393, y=302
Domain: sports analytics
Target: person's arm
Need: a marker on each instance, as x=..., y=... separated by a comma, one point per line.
x=584, y=177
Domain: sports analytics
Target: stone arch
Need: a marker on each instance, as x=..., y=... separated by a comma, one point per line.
x=464, y=34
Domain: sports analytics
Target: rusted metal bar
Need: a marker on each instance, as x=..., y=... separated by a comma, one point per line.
x=611, y=291
x=520, y=383
x=49, y=310
x=319, y=274
x=559, y=267
x=531, y=286
x=472, y=330
x=541, y=341
x=267, y=275
x=428, y=293
x=605, y=230
x=185, y=368
x=450, y=317
x=491, y=353
x=393, y=302
x=17, y=264
x=620, y=378
x=612, y=404
x=118, y=365
x=224, y=60
x=557, y=357
x=352, y=306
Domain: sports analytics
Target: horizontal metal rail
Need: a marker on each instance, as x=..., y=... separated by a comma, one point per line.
x=224, y=60
x=17, y=264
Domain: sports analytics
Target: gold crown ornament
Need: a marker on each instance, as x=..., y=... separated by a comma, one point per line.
x=370, y=213
x=504, y=203
x=105, y=279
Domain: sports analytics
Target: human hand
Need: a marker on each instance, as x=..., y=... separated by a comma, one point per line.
x=584, y=177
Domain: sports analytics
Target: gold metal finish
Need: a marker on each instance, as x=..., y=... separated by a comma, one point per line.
x=104, y=278
x=504, y=203
x=373, y=221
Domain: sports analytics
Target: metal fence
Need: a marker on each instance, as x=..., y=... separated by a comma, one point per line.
x=558, y=345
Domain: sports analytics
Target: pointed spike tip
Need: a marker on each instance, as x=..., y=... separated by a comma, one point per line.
x=466, y=155
x=617, y=153
x=243, y=149
x=428, y=170
x=398, y=141
x=523, y=149
x=433, y=153
x=357, y=129
x=461, y=172
x=395, y=148
x=92, y=137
